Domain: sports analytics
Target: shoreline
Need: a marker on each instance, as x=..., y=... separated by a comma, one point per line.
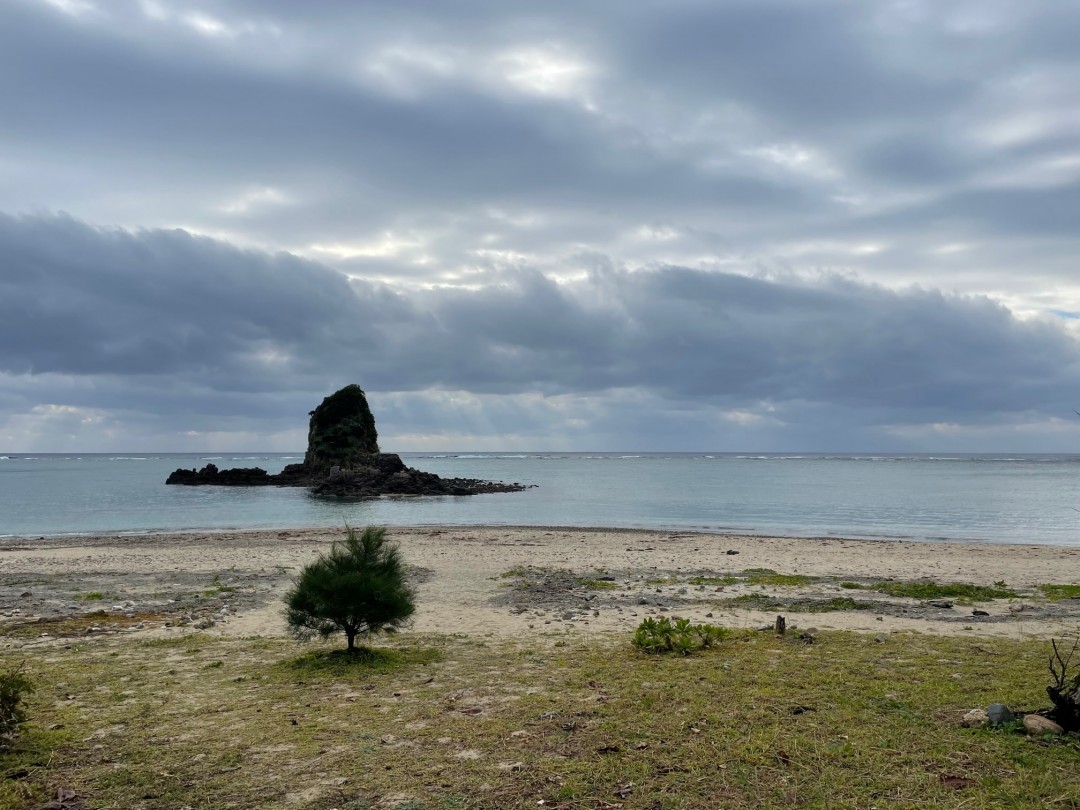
x=540, y=581
x=704, y=532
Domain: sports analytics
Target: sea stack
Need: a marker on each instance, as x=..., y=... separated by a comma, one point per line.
x=343, y=460
x=341, y=431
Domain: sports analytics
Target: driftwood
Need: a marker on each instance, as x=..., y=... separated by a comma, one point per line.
x=1064, y=692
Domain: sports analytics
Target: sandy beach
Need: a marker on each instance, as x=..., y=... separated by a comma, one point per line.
x=509, y=581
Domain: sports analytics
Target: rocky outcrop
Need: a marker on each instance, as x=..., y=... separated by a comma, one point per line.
x=343, y=460
x=210, y=474
x=341, y=431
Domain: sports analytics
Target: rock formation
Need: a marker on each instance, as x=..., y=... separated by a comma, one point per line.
x=343, y=460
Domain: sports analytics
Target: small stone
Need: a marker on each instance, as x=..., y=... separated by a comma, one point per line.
x=945, y=604
x=708, y=615
x=999, y=714
x=25, y=594
x=568, y=616
x=732, y=551
x=1037, y=724
x=976, y=718
x=978, y=612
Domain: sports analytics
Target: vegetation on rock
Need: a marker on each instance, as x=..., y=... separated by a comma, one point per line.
x=342, y=430
x=358, y=588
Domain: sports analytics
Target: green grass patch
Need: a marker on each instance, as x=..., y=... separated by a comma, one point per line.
x=598, y=584
x=950, y=590
x=448, y=722
x=761, y=601
x=779, y=580
x=1056, y=593
x=729, y=579
x=361, y=661
x=92, y=596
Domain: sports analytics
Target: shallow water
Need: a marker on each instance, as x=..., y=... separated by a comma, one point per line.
x=989, y=498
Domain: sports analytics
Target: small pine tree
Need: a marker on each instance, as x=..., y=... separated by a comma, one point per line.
x=358, y=588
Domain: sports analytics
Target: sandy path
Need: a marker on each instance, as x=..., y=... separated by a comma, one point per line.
x=462, y=589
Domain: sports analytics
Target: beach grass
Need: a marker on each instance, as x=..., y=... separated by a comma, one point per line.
x=428, y=722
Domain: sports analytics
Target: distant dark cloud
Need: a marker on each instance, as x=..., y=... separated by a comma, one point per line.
x=201, y=330
x=761, y=221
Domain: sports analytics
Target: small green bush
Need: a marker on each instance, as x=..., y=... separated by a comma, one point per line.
x=14, y=686
x=679, y=636
x=358, y=589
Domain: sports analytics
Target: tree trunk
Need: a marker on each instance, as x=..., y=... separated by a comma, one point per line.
x=350, y=635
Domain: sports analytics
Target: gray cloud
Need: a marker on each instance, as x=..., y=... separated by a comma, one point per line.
x=177, y=329
x=769, y=220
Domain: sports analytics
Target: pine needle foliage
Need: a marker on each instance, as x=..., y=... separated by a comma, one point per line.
x=358, y=588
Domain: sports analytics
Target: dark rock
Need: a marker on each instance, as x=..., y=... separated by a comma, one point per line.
x=940, y=603
x=999, y=714
x=978, y=612
x=341, y=431
x=343, y=461
x=210, y=474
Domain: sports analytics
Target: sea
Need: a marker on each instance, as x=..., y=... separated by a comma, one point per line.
x=985, y=498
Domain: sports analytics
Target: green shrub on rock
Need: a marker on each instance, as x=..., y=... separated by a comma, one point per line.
x=358, y=588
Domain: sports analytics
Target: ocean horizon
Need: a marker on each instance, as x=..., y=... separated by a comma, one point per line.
x=988, y=497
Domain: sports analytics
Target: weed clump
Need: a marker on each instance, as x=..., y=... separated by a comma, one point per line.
x=679, y=636
x=14, y=686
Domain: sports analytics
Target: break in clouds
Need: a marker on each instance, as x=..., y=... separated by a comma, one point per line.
x=683, y=226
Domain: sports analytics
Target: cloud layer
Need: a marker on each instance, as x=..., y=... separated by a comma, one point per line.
x=746, y=225
x=190, y=333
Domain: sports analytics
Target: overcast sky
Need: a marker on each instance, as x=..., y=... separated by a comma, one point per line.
x=680, y=225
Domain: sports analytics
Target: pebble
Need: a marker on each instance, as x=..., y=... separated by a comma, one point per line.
x=976, y=718
x=978, y=612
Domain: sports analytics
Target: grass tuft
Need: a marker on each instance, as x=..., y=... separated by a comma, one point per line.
x=1055, y=593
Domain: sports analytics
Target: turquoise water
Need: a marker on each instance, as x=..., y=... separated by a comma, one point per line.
x=1026, y=499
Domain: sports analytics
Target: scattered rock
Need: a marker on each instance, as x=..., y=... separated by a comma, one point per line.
x=944, y=604
x=732, y=551
x=1036, y=724
x=976, y=718
x=978, y=612
x=999, y=714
